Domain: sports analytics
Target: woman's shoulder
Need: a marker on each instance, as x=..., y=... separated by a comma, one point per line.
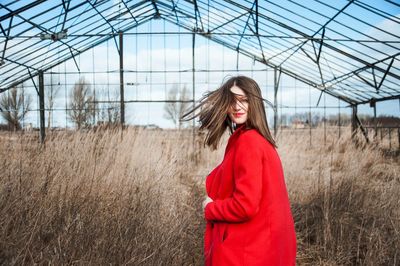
x=251, y=137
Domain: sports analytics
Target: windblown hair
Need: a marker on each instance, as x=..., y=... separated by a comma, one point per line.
x=214, y=107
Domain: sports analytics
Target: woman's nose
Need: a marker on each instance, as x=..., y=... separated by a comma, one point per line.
x=237, y=106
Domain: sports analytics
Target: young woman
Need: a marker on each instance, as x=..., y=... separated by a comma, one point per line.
x=249, y=221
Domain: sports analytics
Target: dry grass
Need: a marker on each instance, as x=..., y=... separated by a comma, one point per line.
x=133, y=197
x=345, y=200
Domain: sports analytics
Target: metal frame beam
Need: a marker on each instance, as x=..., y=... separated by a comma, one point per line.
x=41, y=106
x=277, y=78
x=67, y=58
x=121, y=77
x=7, y=35
x=321, y=28
x=369, y=65
x=108, y=22
x=73, y=18
x=66, y=8
x=260, y=19
x=197, y=14
x=157, y=15
x=127, y=8
x=355, y=58
x=22, y=9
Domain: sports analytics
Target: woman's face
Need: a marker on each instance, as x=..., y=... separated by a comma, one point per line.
x=238, y=111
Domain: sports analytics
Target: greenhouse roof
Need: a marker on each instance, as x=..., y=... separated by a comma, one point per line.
x=347, y=48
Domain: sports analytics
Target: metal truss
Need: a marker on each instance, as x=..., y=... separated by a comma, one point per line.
x=349, y=49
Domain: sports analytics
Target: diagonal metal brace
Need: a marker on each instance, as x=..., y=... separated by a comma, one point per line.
x=33, y=81
x=73, y=57
x=362, y=128
x=7, y=35
x=378, y=86
x=66, y=8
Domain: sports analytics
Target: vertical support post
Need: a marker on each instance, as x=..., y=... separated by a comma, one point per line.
x=372, y=104
x=339, y=122
x=121, y=77
x=354, y=121
x=324, y=119
x=310, y=127
x=398, y=137
x=375, y=122
x=193, y=86
x=41, y=107
x=276, y=85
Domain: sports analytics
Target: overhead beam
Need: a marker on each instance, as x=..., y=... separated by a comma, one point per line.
x=227, y=22
x=388, y=98
x=22, y=9
x=7, y=35
x=378, y=86
x=59, y=62
x=246, y=25
x=127, y=8
x=321, y=28
x=197, y=14
x=37, y=26
x=256, y=17
x=369, y=65
x=108, y=22
x=74, y=17
x=174, y=9
x=156, y=8
x=66, y=8
x=351, y=56
x=255, y=21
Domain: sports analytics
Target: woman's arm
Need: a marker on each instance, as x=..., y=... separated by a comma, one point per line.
x=247, y=171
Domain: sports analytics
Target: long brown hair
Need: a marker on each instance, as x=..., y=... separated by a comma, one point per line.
x=214, y=107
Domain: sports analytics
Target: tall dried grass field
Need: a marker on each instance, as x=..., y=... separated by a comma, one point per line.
x=133, y=197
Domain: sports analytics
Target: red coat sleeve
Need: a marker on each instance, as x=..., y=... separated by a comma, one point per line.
x=246, y=197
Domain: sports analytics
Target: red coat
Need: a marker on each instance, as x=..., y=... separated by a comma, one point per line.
x=249, y=221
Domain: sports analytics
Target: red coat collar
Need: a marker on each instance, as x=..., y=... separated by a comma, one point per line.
x=234, y=136
x=239, y=129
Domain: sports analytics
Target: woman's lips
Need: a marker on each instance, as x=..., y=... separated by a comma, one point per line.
x=238, y=114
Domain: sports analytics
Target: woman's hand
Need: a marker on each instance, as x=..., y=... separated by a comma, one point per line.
x=206, y=201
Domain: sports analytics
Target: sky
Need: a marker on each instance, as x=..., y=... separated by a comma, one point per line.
x=173, y=53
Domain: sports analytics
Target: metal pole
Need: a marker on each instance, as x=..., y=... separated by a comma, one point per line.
x=339, y=119
x=41, y=107
x=193, y=85
x=375, y=122
x=121, y=77
x=373, y=105
x=398, y=137
x=354, y=121
x=275, y=101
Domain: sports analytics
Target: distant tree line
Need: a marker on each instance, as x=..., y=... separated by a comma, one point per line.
x=85, y=111
x=315, y=119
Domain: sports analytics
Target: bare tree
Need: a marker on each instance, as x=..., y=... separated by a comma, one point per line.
x=82, y=104
x=110, y=111
x=14, y=105
x=176, y=105
x=51, y=90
